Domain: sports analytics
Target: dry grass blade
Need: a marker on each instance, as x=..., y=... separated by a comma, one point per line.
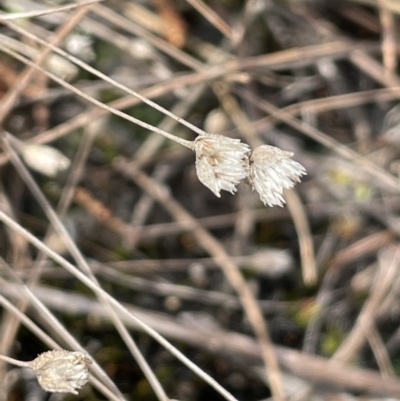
x=7, y=103
x=309, y=266
x=106, y=78
x=96, y=102
x=388, y=269
x=380, y=352
x=389, y=41
x=97, y=290
x=212, y=17
x=311, y=80
x=156, y=385
x=32, y=14
x=103, y=382
x=9, y=100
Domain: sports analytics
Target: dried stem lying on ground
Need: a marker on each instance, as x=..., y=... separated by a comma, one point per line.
x=301, y=80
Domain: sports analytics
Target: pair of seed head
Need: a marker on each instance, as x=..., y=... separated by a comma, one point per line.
x=222, y=163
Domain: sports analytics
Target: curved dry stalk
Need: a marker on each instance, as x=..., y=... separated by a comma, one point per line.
x=96, y=102
x=10, y=98
x=8, y=101
x=388, y=268
x=99, y=291
x=308, y=262
x=15, y=362
x=54, y=219
x=104, y=77
x=108, y=388
x=40, y=13
x=380, y=352
x=212, y=17
x=122, y=103
x=388, y=37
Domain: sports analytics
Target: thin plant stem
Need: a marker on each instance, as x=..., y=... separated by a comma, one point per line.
x=99, y=74
x=155, y=384
x=10, y=98
x=53, y=10
x=61, y=331
x=111, y=393
x=184, y=142
x=15, y=362
x=99, y=291
x=212, y=17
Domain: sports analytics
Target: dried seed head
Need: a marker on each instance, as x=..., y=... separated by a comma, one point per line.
x=221, y=162
x=44, y=159
x=272, y=171
x=61, y=371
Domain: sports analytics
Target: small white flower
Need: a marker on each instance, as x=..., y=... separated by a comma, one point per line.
x=221, y=162
x=44, y=159
x=61, y=371
x=272, y=171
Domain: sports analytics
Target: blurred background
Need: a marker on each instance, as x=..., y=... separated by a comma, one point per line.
x=318, y=78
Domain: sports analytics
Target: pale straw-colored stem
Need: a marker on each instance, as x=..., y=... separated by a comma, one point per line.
x=99, y=291
x=184, y=142
x=102, y=76
x=39, y=13
x=15, y=361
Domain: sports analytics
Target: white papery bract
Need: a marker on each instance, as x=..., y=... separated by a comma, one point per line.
x=62, y=371
x=271, y=171
x=221, y=162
